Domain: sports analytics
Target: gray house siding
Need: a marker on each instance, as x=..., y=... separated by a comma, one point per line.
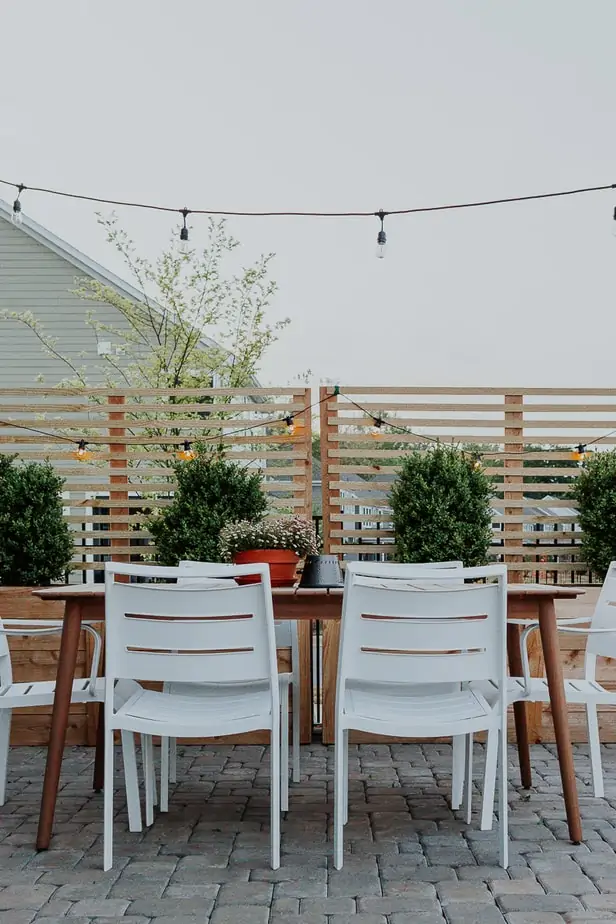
x=34, y=278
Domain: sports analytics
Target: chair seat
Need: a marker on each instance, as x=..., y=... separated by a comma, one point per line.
x=576, y=691
x=400, y=705
x=215, y=709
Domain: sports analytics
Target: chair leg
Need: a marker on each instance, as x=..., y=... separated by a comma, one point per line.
x=284, y=747
x=595, y=749
x=457, y=770
x=99, y=751
x=296, y=732
x=468, y=782
x=503, y=806
x=131, y=781
x=147, y=752
x=275, y=794
x=173, y=760
x=339, y=798
x=108, y=803
x=489, y=780
x=345, y=776
x=164, y=774
x=5, y=734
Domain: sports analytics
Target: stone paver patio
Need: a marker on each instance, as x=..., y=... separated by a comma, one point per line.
x=409, y=859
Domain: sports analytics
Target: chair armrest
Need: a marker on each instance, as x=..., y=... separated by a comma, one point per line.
x=34, y=627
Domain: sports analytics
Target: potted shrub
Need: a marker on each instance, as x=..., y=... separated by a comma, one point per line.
x=279, y=541
x=36, y=543
x=441, y=508
x=595, y=492
x=211, y=492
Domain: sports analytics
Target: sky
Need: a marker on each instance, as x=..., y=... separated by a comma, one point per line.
x=343, y=105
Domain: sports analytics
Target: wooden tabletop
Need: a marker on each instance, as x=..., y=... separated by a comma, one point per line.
x=88, y=591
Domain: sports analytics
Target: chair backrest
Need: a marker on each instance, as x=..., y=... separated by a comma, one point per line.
x=421, y=628
x=190, y=632
x=285, y=630
x=603, y=644
x=397, y=570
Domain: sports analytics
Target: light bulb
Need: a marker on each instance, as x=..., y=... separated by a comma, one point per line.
x=187, y=453
x=184, y=245
x=381, y=238
x=290, y=425
x=81, y=453
x=17, y=215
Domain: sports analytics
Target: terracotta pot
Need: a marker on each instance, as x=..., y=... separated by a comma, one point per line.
x=282, y=564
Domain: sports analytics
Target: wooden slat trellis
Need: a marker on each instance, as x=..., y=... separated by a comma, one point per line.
x=133, y=435
x=517, y=431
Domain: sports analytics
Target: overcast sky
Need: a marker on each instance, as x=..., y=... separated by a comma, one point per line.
x=347, y=105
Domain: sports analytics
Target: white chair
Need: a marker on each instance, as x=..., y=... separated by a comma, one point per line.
x=40, y=692
x=286, y=637
x=175, y=634
x=451, y=568
x=587, y=691
x=419, y=628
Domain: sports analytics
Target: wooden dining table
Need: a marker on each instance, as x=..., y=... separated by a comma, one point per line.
x=534, y=602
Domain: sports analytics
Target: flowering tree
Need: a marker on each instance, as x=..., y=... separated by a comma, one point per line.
x=194, y=323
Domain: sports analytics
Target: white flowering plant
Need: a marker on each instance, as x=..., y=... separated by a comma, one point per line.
x=290, y=532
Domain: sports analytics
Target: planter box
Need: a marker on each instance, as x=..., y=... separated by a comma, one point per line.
x=36, y=658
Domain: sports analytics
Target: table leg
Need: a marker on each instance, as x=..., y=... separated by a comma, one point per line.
x=519, y=709
x=558, y=705
x=99, y=754
x=67, y=660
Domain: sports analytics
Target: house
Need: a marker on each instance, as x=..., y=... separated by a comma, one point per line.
x=39, y=273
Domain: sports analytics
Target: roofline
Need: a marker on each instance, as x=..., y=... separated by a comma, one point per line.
x=82, y=262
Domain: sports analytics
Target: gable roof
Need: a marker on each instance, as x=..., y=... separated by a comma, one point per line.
x=80, y=261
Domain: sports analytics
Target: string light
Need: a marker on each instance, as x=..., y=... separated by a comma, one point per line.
x=17, y=216
x=381, y=238
x=187, y=453
x=81, y=453
x=381, y=214
x=377, y=423
x=477, y=463
x=580, y=453
x=184, y=231
x=290, y=424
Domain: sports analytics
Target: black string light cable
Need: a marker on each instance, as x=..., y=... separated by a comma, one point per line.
x=186, y=453
x=232, y=213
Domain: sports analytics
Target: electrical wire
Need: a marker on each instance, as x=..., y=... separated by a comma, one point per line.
x=228, y=213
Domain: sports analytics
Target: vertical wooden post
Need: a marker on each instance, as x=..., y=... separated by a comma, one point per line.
x=304, y=491
x=513, y=484
x=331, y=628
x=118, y=480
x=327, y=407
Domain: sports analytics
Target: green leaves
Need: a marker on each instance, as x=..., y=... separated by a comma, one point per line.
x=595, y=492
x=36, y=544
x=211, y=492
x=441, y=508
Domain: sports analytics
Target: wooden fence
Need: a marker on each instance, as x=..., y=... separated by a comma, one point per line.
x=132, y=438
x=524, y=437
